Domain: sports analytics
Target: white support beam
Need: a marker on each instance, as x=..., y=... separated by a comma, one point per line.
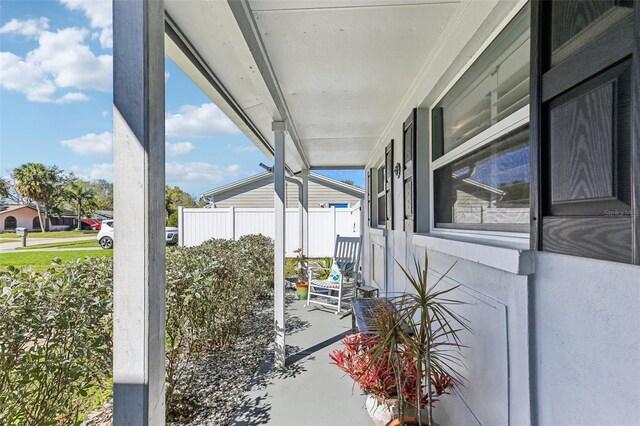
x=139, y=213
x=305, y=211
x=279, y=203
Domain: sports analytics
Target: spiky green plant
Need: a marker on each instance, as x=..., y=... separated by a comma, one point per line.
x=433, y=327
x=422, y=326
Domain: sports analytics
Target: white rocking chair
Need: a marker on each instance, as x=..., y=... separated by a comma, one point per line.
x=323, y=292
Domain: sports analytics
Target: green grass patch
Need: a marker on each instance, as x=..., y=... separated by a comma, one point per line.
x=68, y=244
x=41, y=260
x=51, y=234
x=62, y=234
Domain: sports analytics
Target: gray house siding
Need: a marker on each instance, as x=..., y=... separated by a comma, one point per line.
x=550, y=331
x=259, y=194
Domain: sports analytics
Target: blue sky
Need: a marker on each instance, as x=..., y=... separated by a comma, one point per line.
x=56, y=102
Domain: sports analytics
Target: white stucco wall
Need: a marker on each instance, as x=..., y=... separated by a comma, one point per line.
x=587, y=341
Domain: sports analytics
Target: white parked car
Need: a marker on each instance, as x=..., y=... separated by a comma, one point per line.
x=105, y=236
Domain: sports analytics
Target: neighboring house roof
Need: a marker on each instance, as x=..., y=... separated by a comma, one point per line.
x=322, y=180
x=13, y=207
x=107, y=214
x=483, y=186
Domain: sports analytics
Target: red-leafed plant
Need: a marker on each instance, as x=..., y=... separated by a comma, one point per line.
x=415, y=355
x=373, y=377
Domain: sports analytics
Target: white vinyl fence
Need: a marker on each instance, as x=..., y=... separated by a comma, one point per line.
x=198, y=225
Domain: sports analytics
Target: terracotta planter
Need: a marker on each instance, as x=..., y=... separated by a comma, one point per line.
x=302, y=289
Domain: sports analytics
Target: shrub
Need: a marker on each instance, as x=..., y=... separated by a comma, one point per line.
x=55, y=326
x=55, y=340
x=211, y=291
x=256, y=262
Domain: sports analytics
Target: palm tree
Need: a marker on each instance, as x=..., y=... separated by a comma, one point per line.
x=4, y=188
x=38, y=183
x=79, y=193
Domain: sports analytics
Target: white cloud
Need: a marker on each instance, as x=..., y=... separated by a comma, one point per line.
x=242, y=148
x=99, y=13
x=198, y=121
x=178, y=148
x=199, y=172
x=90, y=144
x=166, y=76
x=27, y=27
x=70, y=62
x=176, y=173
x=25, y=77
x=62, y=60
x=105, y=114
x=72, y=97
x=95, y=171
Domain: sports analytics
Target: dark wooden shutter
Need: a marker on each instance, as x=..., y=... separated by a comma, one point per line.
x=584, y=89
x=409, y=170
x=388, y=184
x=370, y=197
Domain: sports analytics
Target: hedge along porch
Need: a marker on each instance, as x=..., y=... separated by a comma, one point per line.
x=387, y=87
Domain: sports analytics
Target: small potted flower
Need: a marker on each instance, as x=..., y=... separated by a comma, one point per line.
x=300, y=267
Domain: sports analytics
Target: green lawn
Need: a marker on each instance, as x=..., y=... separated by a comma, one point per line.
x=51, y=234
x=40, y=260
x=69, y=244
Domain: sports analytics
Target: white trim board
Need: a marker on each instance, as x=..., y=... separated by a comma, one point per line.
x=516, y=259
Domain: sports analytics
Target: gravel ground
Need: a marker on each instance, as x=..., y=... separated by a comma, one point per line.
x=223, y=377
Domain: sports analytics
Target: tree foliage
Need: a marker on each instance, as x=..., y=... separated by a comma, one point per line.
x=174, y=198
x=42, y=184
x=81, y=197
x=4, y=188
x=103, y=191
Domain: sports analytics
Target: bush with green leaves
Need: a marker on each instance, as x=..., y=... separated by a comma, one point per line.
x=56, y=326
x=55, y=341
x=211, y=291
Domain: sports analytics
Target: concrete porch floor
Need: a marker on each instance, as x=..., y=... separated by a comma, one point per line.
x=311, y=391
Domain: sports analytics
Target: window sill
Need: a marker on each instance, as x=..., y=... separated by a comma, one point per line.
x=512, y=257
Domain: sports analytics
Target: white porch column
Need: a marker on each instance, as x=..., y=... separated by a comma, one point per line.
x=305, y=211
x=279, y=203
x=139, y=253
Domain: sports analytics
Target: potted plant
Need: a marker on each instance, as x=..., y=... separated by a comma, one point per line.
x=414, y=357
x=300, y=266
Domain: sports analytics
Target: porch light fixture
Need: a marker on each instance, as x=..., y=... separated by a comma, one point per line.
x=397, y=170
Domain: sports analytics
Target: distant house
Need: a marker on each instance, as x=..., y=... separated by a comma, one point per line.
x=257, y=191
x=14, y=216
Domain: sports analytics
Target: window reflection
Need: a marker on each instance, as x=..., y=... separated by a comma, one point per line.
x=488, y=189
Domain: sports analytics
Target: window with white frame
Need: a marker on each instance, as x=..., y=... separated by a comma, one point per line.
x=480, y=138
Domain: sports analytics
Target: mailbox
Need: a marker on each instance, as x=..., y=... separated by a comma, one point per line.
x=22, y=232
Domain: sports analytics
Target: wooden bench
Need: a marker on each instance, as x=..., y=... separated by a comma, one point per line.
x=364, y=313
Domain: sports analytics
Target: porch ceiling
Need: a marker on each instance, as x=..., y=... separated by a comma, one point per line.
x=336, y=70
x=344, y=66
